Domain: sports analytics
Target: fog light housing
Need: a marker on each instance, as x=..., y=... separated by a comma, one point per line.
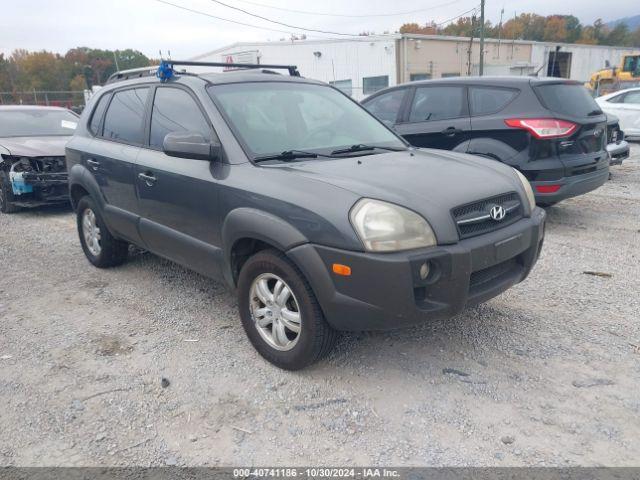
x=424, y=270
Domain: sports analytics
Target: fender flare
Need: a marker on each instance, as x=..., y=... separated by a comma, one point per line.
x=259, y=225
x=78, y=176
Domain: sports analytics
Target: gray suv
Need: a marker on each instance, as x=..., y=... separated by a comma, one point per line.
x=319, y=215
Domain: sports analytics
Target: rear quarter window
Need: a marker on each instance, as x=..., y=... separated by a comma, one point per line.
x=96, y=115
x=486, y=100
x=567, y=98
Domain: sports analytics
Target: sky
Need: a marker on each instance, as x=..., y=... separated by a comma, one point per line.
x=150, y=25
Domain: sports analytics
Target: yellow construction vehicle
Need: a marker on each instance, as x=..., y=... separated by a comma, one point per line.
x=610, y=79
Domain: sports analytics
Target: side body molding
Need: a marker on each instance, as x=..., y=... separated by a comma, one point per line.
x=252, y=223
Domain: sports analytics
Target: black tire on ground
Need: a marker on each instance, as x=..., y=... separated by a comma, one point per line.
x=316, y=337
x=6, y=194
x=546, y=204
x=113, y=251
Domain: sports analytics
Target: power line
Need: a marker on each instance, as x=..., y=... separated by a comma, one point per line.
x=457, y=16
x=282, y=23
x=199, y=12
x=327, y=14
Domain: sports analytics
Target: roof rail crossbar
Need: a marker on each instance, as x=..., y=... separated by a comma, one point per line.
x=293, y=69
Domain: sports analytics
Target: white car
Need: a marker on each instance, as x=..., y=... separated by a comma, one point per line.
x=624, y=104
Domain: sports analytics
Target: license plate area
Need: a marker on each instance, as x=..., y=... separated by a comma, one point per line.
x=509, y=247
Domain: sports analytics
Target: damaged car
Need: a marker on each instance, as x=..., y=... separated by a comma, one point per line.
x=32, y=164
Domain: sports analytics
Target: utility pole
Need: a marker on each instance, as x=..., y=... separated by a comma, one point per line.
x=470, y=49
x=500, y=31
x=481, y=67
x=116, y=60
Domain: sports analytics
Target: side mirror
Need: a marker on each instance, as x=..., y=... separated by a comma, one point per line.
x=191, y=145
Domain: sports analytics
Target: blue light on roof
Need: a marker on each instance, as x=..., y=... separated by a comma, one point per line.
x=165, y=71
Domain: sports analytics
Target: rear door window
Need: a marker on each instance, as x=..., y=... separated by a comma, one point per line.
x=124, y=120
x=437, y=103
x=486, y=100
x=567, y=98
x=174, y=110
x=387, y=106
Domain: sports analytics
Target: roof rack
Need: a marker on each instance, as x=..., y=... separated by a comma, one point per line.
x=132, y=73
x=165, y=70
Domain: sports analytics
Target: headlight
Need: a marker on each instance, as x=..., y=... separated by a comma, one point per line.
x=385, y=227
x=528, y=190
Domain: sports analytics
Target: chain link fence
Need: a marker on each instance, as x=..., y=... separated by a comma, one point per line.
x=72, y=99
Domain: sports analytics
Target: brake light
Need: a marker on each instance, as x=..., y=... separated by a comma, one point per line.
x=543, y=127
x=547, y=188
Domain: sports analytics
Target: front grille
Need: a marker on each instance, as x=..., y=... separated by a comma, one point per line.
x=473, y=219
x=482, y=279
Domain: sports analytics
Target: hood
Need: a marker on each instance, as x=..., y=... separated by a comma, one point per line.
x=430, y=182
x=35, y=146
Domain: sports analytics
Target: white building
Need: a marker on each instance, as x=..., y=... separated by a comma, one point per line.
x=363, y=65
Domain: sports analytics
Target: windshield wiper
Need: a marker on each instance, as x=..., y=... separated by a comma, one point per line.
x=360, y=147
x=286, y=156
x=593, y=113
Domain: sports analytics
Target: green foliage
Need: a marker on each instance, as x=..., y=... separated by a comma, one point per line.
x=530, y=26
x=79, y=68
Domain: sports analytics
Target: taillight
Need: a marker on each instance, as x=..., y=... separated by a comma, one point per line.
x=547, y=188
x=543, y=127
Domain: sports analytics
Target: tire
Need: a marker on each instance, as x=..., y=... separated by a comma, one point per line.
x=6, y=194
x=315, y=337
x=109, y=251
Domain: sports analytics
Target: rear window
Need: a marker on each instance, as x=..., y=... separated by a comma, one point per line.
x=568, y=98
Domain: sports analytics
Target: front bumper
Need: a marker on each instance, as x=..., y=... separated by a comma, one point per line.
x=384, y=291
x=618, y=152
x=32, y=189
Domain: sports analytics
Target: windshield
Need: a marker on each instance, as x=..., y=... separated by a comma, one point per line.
x=36, y=123
x=274, y=117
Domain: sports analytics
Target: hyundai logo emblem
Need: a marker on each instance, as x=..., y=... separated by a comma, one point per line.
x=497, y=213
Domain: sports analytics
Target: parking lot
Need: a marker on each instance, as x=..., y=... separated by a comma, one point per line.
x=147, y=364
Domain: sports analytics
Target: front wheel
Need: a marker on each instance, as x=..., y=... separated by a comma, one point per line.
x=6, y=194
x=280, y=313
x=101, y=248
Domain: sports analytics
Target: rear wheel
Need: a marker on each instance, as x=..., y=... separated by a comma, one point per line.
x=280, y=312
x=6, y=194
x=100, y=247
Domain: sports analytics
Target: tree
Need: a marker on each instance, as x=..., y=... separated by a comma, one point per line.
x=555, y=29
x=427, y=29
x=619, y=36
x=574, y=28
x=635, y=38
x=78, y=83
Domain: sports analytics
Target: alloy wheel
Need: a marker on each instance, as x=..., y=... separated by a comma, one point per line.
x=275, y=311
x=91, y=232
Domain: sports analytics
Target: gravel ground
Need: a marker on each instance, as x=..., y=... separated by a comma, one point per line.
x=546, y=374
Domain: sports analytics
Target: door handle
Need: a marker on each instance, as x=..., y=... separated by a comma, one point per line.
x=148, y=178
x=451, y=131
x=94, y=164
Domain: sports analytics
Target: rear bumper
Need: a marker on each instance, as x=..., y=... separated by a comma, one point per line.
x=385, y=291
x=618, y=152
x=571, y=186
